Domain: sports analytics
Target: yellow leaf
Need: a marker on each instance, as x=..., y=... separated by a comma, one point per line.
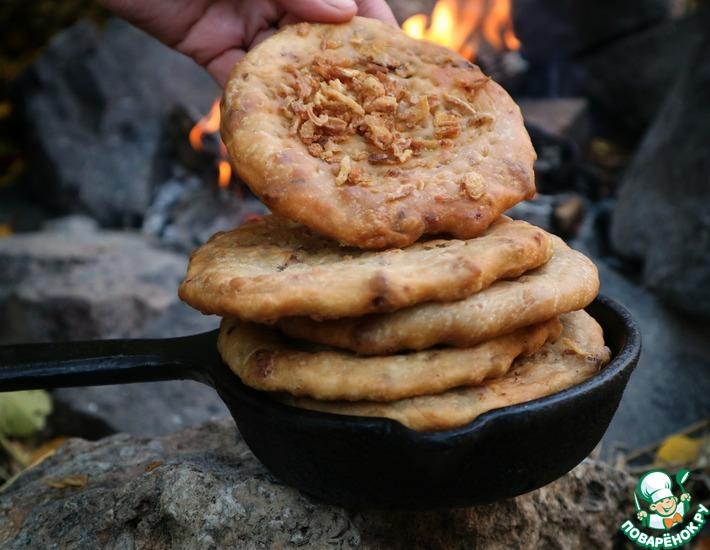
x=678, y=449
x=23, y=413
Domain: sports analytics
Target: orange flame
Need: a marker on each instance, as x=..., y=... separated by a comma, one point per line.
x=225, y=174
x=461, y=29
x=209, y=124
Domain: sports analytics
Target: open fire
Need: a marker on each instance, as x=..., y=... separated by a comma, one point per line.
x=209, y=124
x=465, y=26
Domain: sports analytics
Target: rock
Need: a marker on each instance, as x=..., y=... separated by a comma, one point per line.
x=19, y=215
x=568, y=215
x=557, y=163
x=71, y=225
x=147, y=409
x=72, y=282
x=565, y=117
x=554, y=29
x=561, y=214
x=202, y=488
x=92, y=106
x=631, y=77
x=187, y=212
x=108, y=284
x=537, y=211
x=668, y=390
x=673, y=369
x=663, y=212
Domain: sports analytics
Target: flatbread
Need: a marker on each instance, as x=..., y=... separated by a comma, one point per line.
x=372, y=137
x=271, y=268
x=569, y=281
x=265, y=361
x=576, y=356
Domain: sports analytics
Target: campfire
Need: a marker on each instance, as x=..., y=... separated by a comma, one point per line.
x=209, y=124
x=467, y=27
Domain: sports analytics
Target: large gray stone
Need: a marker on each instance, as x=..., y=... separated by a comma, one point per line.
x=669, y=389
x=70, y=286
x=146, y=409
x=202, y=488
x=93, y=105
x=631, y=77
x=74, y=283
x=555, y=29
x=663, y=212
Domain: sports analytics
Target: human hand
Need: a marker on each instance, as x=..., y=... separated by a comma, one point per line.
x=684, y=497
x=642, y=514
x=217, y=33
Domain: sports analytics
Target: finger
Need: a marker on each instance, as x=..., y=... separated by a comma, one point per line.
x=377, y=9
x=288, y=19
x=220, y=67
x=322, y=11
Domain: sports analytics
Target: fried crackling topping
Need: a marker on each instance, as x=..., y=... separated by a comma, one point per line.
x=331, y=100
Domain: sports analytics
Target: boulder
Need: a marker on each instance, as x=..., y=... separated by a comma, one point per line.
x=92, y=106
x=631, y=77
x=558, y=29
x=674, y=359
x=83, y=284
x=72, y=282
x=203, y=488
x=663, y=212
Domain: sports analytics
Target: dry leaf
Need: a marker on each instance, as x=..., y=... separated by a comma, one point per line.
x=77, y=480
x=46, y=449
x=153, y=465
x=678, y=449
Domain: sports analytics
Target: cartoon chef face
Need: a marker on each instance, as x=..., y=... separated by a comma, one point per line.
x=665, y=507
x=655, y=488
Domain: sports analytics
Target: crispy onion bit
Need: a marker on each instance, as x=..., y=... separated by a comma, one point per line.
x=344, y=172
x=473, y=186
x=332, y=99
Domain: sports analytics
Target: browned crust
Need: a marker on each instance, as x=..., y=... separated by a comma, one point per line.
x=265, y=361
x=459, y=188
x=567, y=282
x=272, y=268
x=577, y=355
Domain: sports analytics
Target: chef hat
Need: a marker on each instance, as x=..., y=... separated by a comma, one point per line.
x=655, y=486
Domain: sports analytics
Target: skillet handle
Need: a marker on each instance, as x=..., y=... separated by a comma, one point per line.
x=103, y=362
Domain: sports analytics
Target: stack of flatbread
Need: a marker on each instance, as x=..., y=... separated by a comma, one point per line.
x=369, y=146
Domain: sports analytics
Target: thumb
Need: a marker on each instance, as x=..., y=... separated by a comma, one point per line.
x=321, y=11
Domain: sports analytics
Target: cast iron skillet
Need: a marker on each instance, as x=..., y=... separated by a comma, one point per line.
x=365, y=461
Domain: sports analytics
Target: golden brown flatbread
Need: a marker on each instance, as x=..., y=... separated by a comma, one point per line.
x=373, y=138
x=576, y=356
x=271, y=268
x=266, y=361
x=567, y=282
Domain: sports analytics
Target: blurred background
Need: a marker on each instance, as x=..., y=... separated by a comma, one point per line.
x=112, y=171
